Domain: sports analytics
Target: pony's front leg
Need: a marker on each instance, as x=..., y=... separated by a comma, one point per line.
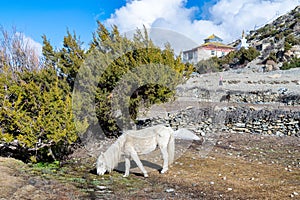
x=136, y=159
x=127, y=165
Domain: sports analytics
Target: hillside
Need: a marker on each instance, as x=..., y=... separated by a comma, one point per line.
x=278, y=41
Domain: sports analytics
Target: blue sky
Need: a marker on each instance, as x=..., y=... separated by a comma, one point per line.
x=193, y=18
x=52, y=18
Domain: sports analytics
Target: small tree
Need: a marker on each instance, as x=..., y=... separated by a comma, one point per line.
x=70, y=57
x=36, y=116
x=119, y=58
x=206, y=66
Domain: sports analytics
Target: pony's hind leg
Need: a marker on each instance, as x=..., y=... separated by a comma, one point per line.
x=136, y=159
x=165, y=155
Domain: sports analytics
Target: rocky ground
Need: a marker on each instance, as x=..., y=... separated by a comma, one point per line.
x=244, y=80
x=237, y=166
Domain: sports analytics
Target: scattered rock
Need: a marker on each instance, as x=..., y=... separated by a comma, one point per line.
x=170, y=190
x=101, y=187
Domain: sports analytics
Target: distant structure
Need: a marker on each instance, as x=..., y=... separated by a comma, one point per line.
x=243, y=42
x=212, y=46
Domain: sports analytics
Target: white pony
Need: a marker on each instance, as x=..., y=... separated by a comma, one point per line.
x=136, y=142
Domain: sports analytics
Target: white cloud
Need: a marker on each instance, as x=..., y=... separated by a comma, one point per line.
x=27, y=43
x=227, y=18
x=32, y=44
x=145, y=12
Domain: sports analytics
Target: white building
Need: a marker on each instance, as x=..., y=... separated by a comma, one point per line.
x=212, y=46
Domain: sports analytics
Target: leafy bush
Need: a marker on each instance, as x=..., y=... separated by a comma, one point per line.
x=35, y=117
x=292, y=40
x=279, y=36
x=247, y=54
x=294, y=63
x=287, y=46
x=239, y=57
x=272, y=56
x=206, y=66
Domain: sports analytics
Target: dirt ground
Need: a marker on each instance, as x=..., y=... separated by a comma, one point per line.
x=240, y=166
x=17, y=184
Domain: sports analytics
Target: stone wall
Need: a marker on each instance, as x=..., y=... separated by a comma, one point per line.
x=231, y=119
x=235, y=96
x=266, y=96
x=272, y=122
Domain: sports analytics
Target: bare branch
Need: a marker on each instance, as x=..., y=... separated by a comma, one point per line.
x=16, y=52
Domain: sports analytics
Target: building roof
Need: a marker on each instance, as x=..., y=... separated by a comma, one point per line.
x=211, y=41
x=213, y=38
x=216, y=44
x=212, y=45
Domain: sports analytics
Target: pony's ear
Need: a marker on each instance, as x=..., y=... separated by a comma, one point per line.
x=101, y=155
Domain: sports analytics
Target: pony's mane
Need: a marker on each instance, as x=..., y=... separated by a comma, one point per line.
x=113, y=154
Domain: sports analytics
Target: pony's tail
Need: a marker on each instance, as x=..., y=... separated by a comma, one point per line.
x=185, y=134
x=171, y=148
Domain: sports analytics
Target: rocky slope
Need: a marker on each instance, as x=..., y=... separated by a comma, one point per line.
x=278, y=41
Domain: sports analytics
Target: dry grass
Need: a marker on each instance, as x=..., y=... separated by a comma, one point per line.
x=227, y=177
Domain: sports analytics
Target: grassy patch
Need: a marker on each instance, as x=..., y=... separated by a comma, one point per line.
x=79, y=173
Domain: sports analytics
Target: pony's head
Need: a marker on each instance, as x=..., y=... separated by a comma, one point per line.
x=101, y=167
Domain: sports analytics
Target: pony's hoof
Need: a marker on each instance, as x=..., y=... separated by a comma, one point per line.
x=125, y=175
x=163, y=171
x=146, y=175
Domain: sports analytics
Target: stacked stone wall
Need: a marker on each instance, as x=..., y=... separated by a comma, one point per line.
x=231, y=119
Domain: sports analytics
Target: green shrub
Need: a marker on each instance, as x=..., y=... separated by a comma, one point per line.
x=287, y=46
x=247, y=54
x=279, y=36
x=290, y=39
x=36, y=117
x=294, y=63
x=206, y=66
x=272, y=56
x=239, y=57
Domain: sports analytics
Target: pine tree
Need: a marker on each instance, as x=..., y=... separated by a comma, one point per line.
x=50, y=56
x=71, y=57
x=119, y=60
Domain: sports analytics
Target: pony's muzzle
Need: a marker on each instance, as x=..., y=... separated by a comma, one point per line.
x=100, y=172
